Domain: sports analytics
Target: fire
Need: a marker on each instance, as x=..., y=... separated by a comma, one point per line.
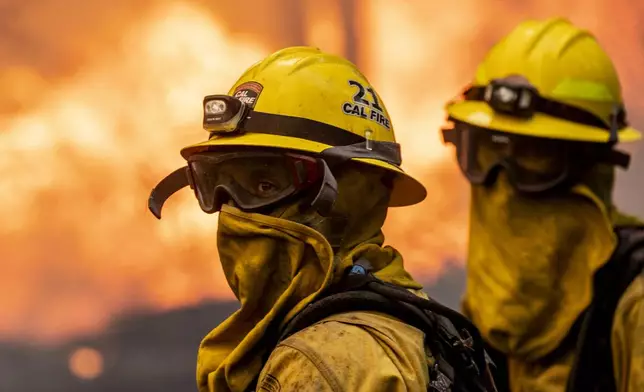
x=79, y=155
x=77, y=168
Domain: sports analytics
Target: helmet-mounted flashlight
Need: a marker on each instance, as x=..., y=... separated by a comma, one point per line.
x=222, y=113
x=513, y=96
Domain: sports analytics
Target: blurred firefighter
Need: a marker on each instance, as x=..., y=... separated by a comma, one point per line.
x=302, y=165
x=554, y=272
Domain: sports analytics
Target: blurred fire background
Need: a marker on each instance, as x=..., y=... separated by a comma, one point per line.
x=96, y=99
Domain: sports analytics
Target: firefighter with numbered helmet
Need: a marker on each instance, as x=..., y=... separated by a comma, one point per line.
x=554, y=270
x=302, y=165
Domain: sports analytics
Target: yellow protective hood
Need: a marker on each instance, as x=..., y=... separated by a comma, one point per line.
x=276, y=267
x=531, y=263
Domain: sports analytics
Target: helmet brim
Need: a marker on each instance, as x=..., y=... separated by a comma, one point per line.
x=406, y=189
x=540, y=125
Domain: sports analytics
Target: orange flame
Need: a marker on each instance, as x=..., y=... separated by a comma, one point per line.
x=79, y=154
x=76, y=169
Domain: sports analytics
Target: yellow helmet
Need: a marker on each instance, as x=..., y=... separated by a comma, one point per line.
x=547, y=78
x=303, y=99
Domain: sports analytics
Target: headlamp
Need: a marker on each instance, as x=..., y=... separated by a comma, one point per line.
x=222, y=113
x=513, y=95
x=516, y=96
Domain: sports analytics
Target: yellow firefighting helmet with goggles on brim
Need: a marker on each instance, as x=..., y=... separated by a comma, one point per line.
x=547, y=88
x=308, y=112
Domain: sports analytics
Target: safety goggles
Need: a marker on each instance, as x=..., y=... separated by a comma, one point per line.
x=532, y=164
x=252, y=180
x=516, y=96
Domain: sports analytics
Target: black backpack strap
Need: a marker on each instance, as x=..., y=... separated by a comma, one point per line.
x=498, y=368
x=593, y=367
x=460, y=360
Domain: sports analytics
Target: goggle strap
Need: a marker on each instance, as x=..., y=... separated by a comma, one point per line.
x=449, y=136
x=328, y=193
x=172, y=183
x=384, y=151
x=618, y=158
